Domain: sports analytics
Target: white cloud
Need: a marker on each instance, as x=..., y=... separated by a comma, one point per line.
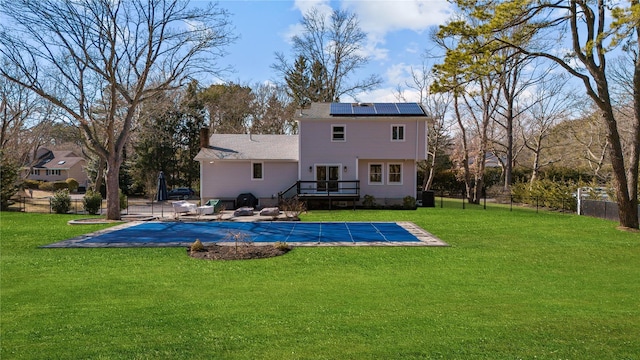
x=306, y=5
x=384, y=95
x=382, y=16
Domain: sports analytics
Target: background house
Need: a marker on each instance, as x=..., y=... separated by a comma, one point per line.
x=343, y=152
x=52, y=166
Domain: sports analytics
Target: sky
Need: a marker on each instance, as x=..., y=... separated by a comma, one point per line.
x=398, y=37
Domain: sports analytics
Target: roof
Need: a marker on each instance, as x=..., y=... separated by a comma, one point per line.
x=359, y=110
x=250, y=147
x=64, y=159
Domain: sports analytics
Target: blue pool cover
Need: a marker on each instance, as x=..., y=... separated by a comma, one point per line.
x=258, y=232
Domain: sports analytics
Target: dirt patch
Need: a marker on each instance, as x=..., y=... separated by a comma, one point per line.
x=242, y=252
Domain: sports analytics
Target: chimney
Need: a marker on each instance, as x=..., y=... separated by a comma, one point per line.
x=204, y=137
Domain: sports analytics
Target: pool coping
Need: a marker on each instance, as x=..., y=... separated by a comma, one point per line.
x=425, y=239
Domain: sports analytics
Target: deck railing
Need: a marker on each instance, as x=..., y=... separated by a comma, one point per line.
x=323, y=189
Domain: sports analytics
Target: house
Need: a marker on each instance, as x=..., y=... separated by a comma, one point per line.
x=343, y=152
x=50, y=166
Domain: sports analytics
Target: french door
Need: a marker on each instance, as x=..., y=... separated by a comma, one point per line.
x=327, y=177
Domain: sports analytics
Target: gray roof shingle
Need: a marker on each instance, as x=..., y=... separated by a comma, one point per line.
x=250, y=147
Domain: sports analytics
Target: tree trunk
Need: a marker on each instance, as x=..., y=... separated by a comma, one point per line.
x=113, y=189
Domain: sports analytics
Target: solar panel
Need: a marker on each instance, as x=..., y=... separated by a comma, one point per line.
x=380, y=109
x=386, y=109
x=340, y=109
x=410, y=109
x=364, y=110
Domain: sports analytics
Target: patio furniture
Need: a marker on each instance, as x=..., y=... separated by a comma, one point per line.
x=216, y=203
x=205, y=210
x=243, y=211
x=270, y=211
x=182, y=206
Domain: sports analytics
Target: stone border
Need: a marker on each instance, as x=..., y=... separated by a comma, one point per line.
x=426, y=239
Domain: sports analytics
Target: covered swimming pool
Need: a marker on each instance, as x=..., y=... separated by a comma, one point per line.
x=176, y=233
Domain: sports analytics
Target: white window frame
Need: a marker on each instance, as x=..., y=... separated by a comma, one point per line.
x=404, y=132
x=333, y=132
x=389, y=174
x=253, y=174
x=381, y=182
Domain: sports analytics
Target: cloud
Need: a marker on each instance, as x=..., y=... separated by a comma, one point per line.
x=306, y=5
x=382, y=16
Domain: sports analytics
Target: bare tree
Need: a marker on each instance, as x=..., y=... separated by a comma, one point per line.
x=114, y=55
x=437, y=107
x=549, y=105
x=332, y=47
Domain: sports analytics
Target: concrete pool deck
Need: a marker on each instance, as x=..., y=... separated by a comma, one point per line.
x=182, y=233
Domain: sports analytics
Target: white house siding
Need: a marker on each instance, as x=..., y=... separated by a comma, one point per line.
x=227, y=179
x=368, y=139
x=386, y=193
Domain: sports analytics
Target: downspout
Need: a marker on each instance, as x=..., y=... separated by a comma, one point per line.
x=415, y=162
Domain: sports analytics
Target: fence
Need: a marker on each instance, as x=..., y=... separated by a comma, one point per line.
x=601, y=209
x=134, y=206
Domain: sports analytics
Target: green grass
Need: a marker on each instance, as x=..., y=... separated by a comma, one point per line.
x=512, y=285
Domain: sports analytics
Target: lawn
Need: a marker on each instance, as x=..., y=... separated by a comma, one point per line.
x=513, y=284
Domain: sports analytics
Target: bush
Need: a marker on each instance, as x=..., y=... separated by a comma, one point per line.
x=547, y=193
x=60, y=185
x=197, y=246
x=282, y=246
x=32, y=184
x=409, y=202
x=293, y=207
x=46, y=186
x=61, y=201
x=123, y=200
x=9, y=178
x=72, y=184
x=369, y=201
x=92, y=202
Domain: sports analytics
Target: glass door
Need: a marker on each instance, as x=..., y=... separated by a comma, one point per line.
x=327, y=177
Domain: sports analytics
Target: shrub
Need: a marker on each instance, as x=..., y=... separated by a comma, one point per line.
x=46, y=186
x=197, y=246
x=369, y=201
x=32, y=184
x=547, y=193
x=9, y=175
x=72, y=184
x=60, y=185
x=282, y=246
x=92, y=202
x=123, y=200
x=409, y=202
x=239, y=238
x=61, y=201
x=293, y=207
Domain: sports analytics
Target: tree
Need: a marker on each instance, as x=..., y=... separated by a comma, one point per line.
x=229, y=106
x=436, y=106
x=79, y=54
x=192, y=119
x=585, y=25
x=273, y=110
x=549, y=105
x=332, y=46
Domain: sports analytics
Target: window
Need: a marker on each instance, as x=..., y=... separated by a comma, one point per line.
x=397, y=132
x=338, y=133
x=395, y=174
x=35, y=172
x=375, y=173
x=53, y=172
x=256, y=171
